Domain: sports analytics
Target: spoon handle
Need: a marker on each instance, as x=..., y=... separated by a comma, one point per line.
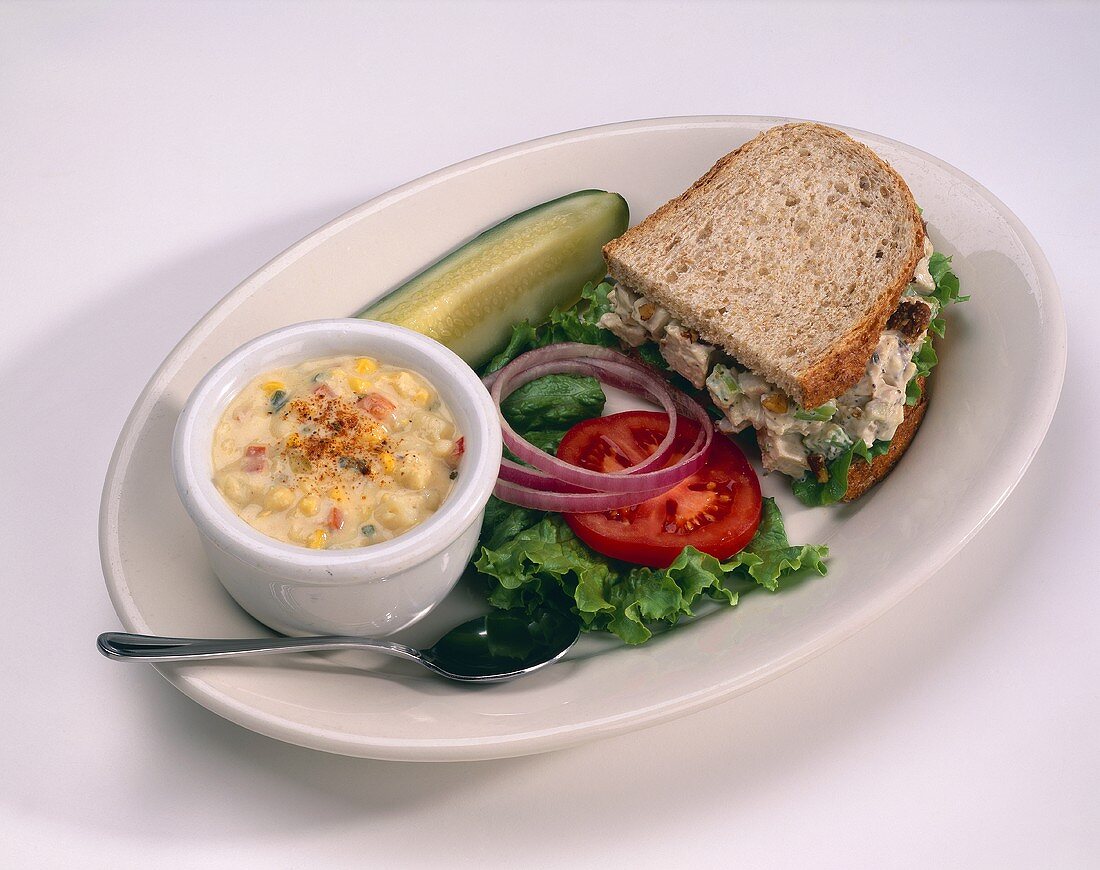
x=149, y=648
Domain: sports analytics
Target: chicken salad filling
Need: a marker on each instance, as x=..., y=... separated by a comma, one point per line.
x=795, y=440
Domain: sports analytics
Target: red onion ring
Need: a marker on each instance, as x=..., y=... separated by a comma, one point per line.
x=609, y=373
x=556, y=485
x=634, y=478
x=571, y=502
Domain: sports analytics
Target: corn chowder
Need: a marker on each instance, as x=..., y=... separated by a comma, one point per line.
x=336, y=453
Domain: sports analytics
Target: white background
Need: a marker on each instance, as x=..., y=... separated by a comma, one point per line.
x=153, y=155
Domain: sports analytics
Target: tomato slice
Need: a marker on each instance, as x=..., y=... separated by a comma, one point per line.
x=716, y=510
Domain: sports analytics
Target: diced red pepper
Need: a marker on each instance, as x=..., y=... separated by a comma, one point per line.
x=336, y=519
x=459, y=449
x=255, y=458
x=377, y=405
x=323, y=390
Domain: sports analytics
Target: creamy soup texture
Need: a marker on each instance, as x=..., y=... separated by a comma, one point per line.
x=336, y=453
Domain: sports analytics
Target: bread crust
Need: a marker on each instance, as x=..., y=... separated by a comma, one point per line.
x=840, y=370
x=862, y=475
x=843, y=363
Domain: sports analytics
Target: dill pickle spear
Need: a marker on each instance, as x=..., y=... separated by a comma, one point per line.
x=519, y=269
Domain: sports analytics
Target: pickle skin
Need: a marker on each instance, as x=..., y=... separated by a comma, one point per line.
x=518, y=269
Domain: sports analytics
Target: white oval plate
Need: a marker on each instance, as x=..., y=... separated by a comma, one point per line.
x=993, y=396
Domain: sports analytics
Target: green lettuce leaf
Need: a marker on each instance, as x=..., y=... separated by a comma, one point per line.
x=650, y=353
x=546, y=566
x=946, y=293
x=579, y=322
x=503, y=521
x=946, y=281
x=524, y=338
x=925, y=359
x=769, y=558
x=813, y=493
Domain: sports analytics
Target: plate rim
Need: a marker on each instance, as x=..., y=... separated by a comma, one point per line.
x=529, y=742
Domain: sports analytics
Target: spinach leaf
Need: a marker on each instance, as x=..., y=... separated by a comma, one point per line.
x=546, y=439
x=553, y=402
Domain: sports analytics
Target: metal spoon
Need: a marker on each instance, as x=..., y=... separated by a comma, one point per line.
x=491, y=648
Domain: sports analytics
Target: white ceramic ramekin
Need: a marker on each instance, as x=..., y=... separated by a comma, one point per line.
x=370, y=591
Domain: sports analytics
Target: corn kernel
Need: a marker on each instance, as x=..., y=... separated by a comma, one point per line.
x=365, y=365
x=279, y=499
x=337, y=494
x=317, y=540
x=309, y=505
x=358, y=385
x=270, y=387
x=388, y=462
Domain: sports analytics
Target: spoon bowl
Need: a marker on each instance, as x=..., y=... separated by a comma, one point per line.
x=492, y=648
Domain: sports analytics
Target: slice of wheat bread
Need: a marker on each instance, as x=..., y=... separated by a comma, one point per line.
x=790, y=254
x=862, y=475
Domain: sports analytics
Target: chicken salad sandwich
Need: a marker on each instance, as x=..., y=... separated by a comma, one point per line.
x=796, y=284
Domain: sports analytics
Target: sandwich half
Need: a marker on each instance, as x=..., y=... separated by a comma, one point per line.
x=794, y=282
